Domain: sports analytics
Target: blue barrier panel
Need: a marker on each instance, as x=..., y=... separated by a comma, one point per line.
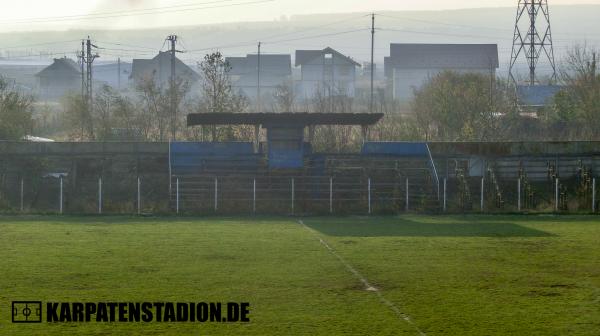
x=286, y=147
x=192, y=156
x=212, y=148
x=412, y=149
x=286, y=159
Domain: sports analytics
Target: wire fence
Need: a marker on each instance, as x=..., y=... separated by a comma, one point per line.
x=292, y=195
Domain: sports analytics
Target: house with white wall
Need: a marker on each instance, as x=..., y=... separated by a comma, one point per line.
x=410, y=65
x=326, y=72
x=275, y=70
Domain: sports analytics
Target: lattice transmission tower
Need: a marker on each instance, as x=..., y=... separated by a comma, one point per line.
x=532, y=39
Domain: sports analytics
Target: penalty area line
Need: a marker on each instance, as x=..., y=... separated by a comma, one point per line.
x=364, y=281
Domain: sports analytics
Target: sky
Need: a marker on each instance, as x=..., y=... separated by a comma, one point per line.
x=138, y=14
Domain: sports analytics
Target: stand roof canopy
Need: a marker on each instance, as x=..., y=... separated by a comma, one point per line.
x=284, y=119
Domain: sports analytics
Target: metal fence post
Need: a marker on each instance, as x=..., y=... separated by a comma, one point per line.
x=519, y=194
x=594, y=194
x=254, y=197
x=22, y=189
x=407, y=194
x=293, y=196
x=556, y=195
x=216, y=194
x=139, y=196
x=331, y=195
x=369, y=195
x=444, y=194
x=60, y=198
x=177, y=195
x=482, y=192
x=100, y=195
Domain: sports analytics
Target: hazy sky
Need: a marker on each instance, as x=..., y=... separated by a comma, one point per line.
x=65, y=14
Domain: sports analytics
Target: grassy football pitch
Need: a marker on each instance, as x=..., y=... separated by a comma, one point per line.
x=408, y=275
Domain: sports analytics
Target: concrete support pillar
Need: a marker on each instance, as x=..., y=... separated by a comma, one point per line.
x=256, y=138
x=311, y=133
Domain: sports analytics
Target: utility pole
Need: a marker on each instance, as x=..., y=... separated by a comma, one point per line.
x=82, y=63
x=258, y=102
x=88, y=59
x=372, y=61
x=173, y=40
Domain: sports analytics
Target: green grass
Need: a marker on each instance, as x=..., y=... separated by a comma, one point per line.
x=453, y=275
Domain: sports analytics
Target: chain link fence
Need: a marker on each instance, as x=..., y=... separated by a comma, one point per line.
x=289, y=195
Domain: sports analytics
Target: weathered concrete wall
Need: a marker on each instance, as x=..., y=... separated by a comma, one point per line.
x=501, y=149
x=438, y=149
x=83, y=148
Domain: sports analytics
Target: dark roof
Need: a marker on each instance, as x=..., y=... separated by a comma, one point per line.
x=441, y=56
x=141, y=68
x=294, y=119
x=64, y=65
x=305, y=56
x=272, y=66
x=537, y=95
x=237, y=64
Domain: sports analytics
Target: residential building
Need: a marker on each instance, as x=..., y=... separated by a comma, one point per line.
x=326, y=73
x=275, y=71
x=59, y=78
x=159, y=69
x=410, y=65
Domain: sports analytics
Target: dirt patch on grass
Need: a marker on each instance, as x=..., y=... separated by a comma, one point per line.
x=143, y=269
x=218, y=256
x=567, y=286
x=542, y=293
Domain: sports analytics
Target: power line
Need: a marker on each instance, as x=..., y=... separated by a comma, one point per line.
x=64, y=53
x=441, y=34
x=38, y=44
x=315, y=27
x=457, y=25
x=83, y=16
x=227, y=46
x=442, y=23
x=127, y=45
x=318, y=36
x=126, y=14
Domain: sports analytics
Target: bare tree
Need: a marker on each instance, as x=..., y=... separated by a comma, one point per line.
x=217, y=94
x=155, y=105
x=15, y=112
x=284, y=97
x=577, y=105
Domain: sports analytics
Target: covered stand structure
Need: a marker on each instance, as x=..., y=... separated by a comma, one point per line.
x=286, y=145
x=284, y=174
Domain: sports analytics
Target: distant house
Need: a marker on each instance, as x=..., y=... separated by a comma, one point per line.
x=326, y=72
x=58, y=78
x=113, y=74
x=275, y=70
x=159, y=69
x=409, y=65
x=536, y=96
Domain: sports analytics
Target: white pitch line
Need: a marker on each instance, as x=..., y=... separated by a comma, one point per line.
x=365, y=282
